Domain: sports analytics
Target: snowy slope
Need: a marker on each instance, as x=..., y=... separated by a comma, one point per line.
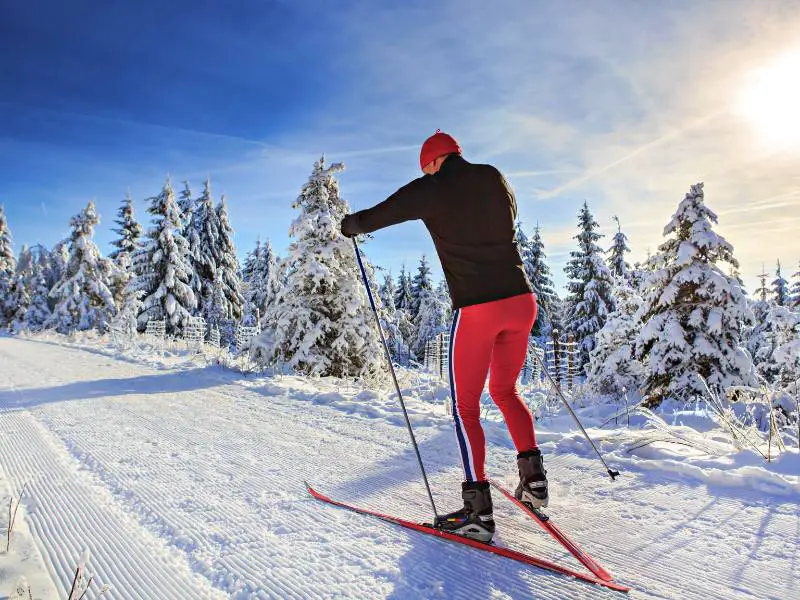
x=188, y=483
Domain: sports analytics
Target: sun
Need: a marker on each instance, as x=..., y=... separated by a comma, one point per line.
x=771, y=101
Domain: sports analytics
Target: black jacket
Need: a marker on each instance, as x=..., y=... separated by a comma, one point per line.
x=470, y=212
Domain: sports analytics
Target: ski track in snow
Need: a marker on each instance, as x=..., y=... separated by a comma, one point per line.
x=189, y=484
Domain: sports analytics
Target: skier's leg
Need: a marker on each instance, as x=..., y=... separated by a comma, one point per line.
x=471, y=340
x=508, y=358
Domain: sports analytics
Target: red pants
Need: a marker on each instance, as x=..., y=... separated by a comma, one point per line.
x=490, y=337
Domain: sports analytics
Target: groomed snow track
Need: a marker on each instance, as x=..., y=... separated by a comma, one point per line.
x=189, y=484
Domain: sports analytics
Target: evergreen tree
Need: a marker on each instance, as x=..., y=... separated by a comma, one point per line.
x=265, y=282
x=796, y=290
x=8, y=264
x=204, y=235
x=693, y=312
x=186, y=206
x=129, y=232
x=390, y=322
x=403, y=298
x=162, y=270
x=323, y=322
x=538, y=272
x=589, y=301
x=780, y=288
x=613, y=368
x=616, y=258
x=83, y=296
x=38, y=311
x=250, y=261
x=638, y=276
x=387, y=291
x=19, y=297
x=763, y=291
x=227, y=264
x=421, y=283
x=432, y=319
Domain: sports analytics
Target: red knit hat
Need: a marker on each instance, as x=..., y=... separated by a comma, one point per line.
x=437, y=145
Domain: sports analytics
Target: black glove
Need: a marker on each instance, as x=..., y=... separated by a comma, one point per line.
x=348, y=226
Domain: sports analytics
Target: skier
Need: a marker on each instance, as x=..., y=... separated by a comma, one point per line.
x=470, y=211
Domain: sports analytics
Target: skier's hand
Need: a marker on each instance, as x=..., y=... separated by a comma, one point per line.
x=348, y=226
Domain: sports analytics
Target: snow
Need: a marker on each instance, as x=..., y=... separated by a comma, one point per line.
x=187, y=482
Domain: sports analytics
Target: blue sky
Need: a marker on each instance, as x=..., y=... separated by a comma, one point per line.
x=623, y=104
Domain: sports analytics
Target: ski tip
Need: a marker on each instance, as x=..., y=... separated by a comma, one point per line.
x=613, y=474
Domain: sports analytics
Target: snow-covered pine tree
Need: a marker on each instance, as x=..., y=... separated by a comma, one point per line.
x=162, y=270
x=784, y=362
x=538, y=272
x=613, y=368
x=19, y=297
x=693, y=312
x=388, y=290
x=8, y=264
x=589, y=301
x=129, y=232
x=432, y=319
x=771, y=325
x=265, y=282
x=398, y=347
x=762, y=293
x=780, y=288
x=186, y=206
x=250, y=260
x=322, y=318
x=204, y=233
x=83, y=295
x=403, y=298
x=422, y=282
x=38, y=311
x=616, y=254
x=638, y=276
x=228, y=265
x=796, y=289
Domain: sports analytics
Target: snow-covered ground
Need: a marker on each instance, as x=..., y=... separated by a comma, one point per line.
x=186, y=481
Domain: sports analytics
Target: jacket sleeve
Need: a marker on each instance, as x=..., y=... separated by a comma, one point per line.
x=412, y=201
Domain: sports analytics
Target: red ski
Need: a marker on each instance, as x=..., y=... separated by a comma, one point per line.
x=551, y=528
x=505, y=552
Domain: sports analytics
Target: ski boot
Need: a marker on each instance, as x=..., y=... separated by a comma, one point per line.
x=475, y=519
x=532, y=488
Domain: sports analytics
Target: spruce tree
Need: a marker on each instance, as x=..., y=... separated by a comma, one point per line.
x=83, y=295
x=162, y=270
x=431, y=320
x=38, y=311
x=589, y=301
x=796, y=290
x=613, y=368
x=693, y=312
x=780, y=288
x=129, y=232
x=395, y=339
x=8, y=264
x=250, y=260
x=19, y=297
x=227, y=265
x=403, y=298
x=421, y=283
x=265, y=282
x=323, y=322
x=762, y=293
x=186, y=206
x=538, y=272
x=616, y=254
x=204, y=234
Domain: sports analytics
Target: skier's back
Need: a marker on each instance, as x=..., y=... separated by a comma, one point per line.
x=470, y=212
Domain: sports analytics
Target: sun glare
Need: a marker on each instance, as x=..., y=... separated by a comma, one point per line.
x=771, y=101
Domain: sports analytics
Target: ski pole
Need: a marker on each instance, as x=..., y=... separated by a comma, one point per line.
x=612, y=474
x=394, y=376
